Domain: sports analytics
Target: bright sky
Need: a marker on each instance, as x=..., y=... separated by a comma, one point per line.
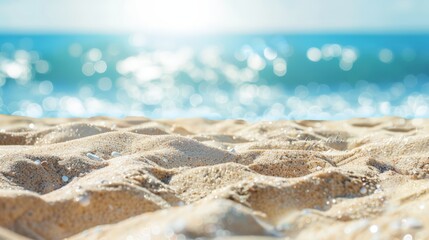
x=214, y=16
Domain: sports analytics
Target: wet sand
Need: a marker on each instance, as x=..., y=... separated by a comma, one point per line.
x=137, y=178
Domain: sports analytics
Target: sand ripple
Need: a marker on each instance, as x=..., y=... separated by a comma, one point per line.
x=190, y=178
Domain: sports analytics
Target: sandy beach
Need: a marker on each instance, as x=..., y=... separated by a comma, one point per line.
x=137, y=178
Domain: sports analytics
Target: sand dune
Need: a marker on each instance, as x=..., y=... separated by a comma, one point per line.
x=136, y=178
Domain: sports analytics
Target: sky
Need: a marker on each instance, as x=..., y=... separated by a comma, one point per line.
x=214, y=16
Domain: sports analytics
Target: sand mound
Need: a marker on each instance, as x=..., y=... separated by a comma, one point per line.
x=135, y=178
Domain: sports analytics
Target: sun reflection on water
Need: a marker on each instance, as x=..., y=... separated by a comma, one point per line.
x=250, y=82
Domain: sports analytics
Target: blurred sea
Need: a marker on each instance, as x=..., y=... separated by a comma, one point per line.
x=251, y=77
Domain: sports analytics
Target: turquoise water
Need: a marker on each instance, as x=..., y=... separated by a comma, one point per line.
x=249, y=77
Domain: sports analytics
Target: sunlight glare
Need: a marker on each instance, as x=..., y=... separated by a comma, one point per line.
x=170, y=16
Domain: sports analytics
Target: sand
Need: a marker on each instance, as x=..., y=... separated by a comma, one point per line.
x=137, y=178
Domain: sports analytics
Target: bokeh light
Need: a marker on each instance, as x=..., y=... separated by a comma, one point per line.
x=251, y=78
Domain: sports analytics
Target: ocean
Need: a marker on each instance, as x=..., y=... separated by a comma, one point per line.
x=251, y=77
